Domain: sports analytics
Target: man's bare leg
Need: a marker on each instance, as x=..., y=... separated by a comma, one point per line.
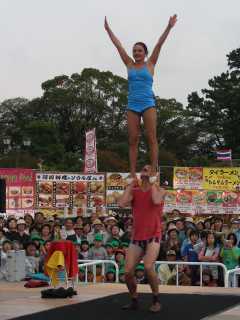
x=134, y=254
x=149, y=266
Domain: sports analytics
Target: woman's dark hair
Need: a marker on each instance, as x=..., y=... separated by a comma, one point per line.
x=46, y=225
x=215, y=239
x=142, y=45
x=234, y=236
x=193, y=233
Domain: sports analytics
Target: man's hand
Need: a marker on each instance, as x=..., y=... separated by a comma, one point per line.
x=172, y=21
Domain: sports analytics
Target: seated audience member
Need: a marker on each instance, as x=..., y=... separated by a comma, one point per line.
x=32, y=265
x=167, y=271
x=230, y=253
x=85, y=249
x=110, y=275
x=207, y=279
x=2, y=237
x=235, y=228
x=97, y=228
x=140, y=274
x=190, y=254
x=210, y=253
x=97, y=252
x=67, y=230
x=120, y=257
x=43, y=255
x=46, y=232
x=56, y=232
x=181, y=229
x=78, y=236
x=115, y=233
x=23, y=236
x=110, y=251
x=6, y=247
x=29, y=222
x=172, y=242
x=11, y=233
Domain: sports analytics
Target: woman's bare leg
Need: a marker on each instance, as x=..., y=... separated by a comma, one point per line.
x=133, y=120
x=150, y=124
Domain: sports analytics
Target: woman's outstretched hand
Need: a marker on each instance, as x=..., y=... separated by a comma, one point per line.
x=172, y=21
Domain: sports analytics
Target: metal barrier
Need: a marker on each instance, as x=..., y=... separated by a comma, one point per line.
x=235, y=272
x=86, y=263
x=201, y=264
x=94, y=263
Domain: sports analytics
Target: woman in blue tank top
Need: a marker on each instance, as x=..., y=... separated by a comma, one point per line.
x=141, y=101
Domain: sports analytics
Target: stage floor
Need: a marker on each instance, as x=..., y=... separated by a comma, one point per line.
x=15, y=300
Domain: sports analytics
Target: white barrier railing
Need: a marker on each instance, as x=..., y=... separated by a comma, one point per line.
x=226, y=273
x=201, y=264
x=235, y=272
x=94, y=263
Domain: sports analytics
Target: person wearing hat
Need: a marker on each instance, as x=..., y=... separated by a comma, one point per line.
x=97, y=228
x=23, y=237
x=147, y=205
x=98, y=252
x=167, y=271
x=110, y=251
x=140, y=274
x=110, y=275
x=78, y=236
x=172, y=242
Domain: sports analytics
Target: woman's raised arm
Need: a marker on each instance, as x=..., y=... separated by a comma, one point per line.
x=155, y=54
x=122, y=52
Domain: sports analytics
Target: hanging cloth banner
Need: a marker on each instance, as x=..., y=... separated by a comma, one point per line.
x=90, y=162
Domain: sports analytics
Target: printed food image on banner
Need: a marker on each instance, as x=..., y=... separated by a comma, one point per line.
x=188, y=178
x=72, y=191
x=112, y=198
x=215, y=197
x=20, y=190
x=199, y=197
x=221, y=178
x=115, y=186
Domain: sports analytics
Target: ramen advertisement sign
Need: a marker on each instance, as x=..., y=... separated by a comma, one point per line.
x=225, y=179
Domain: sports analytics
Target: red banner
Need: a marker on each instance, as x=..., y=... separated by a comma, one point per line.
x=20, y=189
x=90, y=162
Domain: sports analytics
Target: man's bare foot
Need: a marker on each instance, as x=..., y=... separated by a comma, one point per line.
x=133, y=305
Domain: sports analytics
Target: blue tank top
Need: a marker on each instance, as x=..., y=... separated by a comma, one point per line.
x=140, y=93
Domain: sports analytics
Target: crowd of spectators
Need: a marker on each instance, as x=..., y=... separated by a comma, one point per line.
x=208, y=239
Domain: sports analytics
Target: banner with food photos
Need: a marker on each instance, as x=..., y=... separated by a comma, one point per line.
x=20, y=190
x=188, y=178
x=202, y=201
x=75, y=191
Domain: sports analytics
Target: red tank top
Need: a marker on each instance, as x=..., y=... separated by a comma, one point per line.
x=146, y=215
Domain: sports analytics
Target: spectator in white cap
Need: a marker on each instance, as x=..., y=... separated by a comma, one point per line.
x=22, y=237
x=167, y=271
x=97, y=228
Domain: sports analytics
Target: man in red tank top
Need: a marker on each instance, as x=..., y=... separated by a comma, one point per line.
x=147, y=204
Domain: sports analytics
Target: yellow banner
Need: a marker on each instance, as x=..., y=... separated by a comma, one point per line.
x=221, y=178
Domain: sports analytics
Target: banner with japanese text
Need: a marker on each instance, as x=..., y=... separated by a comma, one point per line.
x=221, y=178
x=226, y=179
x=72, y=191
x=20, y=190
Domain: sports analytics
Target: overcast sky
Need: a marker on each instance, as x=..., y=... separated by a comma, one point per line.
x=43, y=39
